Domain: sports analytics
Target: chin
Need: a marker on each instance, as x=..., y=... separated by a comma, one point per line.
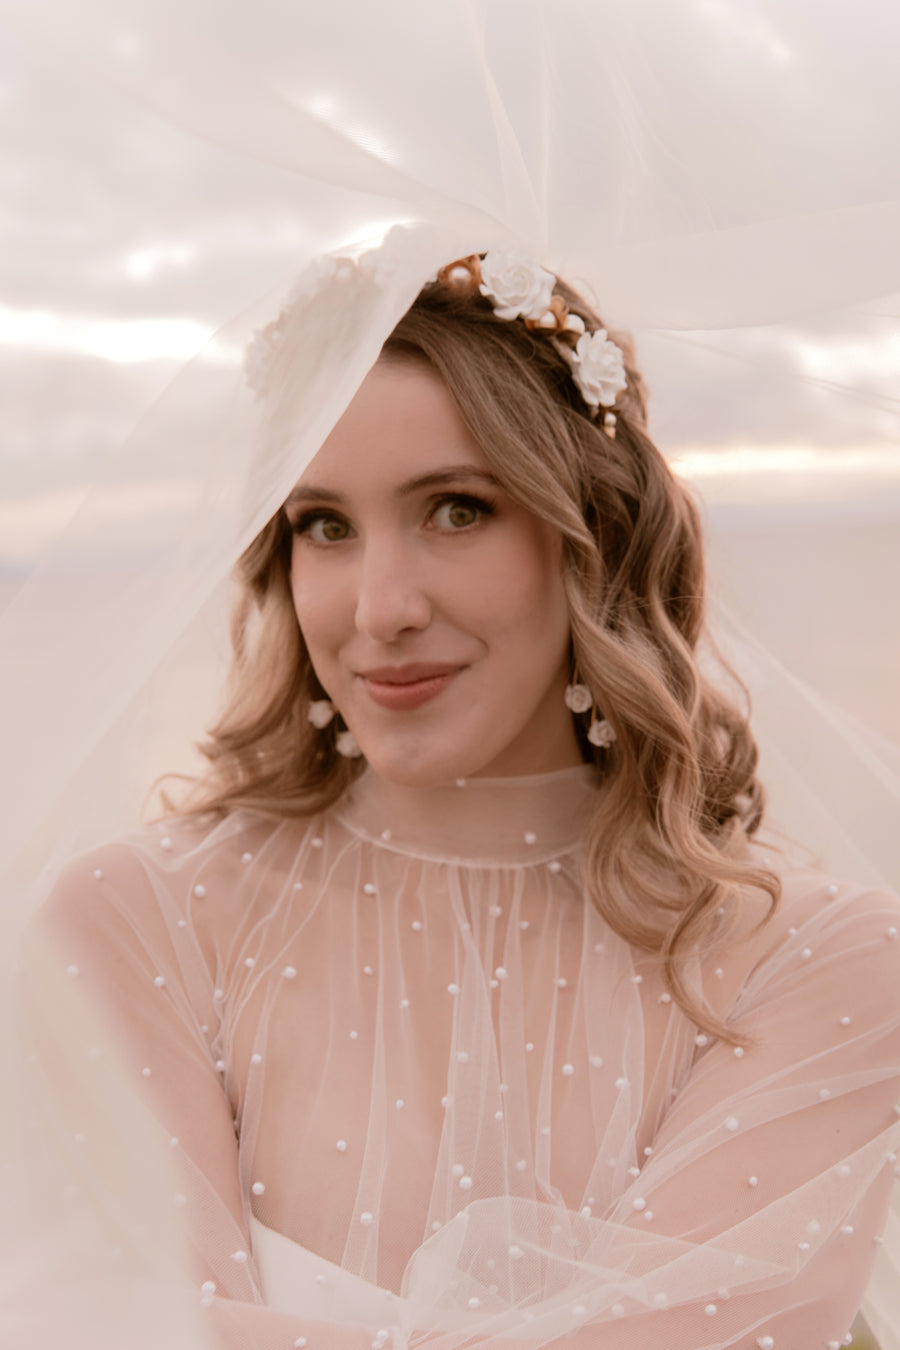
x=422, y=766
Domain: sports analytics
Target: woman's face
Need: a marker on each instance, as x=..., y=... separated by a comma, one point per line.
x=431, y=603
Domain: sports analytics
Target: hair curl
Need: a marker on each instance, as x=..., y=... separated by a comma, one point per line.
x=667, y=844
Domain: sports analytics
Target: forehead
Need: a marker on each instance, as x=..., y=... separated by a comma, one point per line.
x=401, y=421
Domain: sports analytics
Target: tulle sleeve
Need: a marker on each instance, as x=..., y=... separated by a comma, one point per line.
x=758, y=1211
x=135, y=1231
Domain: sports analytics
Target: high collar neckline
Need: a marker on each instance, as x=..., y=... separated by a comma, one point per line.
x=504, y=821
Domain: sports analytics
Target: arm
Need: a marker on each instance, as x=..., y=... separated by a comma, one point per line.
x=131, y=1159
x=755, y=1219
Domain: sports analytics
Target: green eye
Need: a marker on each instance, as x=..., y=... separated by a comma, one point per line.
x=458, y=513
x=326, y=529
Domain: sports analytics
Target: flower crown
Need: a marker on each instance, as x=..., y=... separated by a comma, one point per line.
x=517, y=288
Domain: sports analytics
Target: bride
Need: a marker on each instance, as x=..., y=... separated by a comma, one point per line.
x=459, y=1001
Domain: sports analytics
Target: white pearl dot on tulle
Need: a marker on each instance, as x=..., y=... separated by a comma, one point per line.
x=258, y=1188
x=341, y=1146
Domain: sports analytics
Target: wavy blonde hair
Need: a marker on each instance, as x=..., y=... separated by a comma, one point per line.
x=667, y=844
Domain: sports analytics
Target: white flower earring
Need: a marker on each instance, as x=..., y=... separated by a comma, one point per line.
x=579, y=699
x=321, y=712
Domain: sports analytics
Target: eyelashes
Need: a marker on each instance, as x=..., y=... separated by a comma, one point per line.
x=450, y=513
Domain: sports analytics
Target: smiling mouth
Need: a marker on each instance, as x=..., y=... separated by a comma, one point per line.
x=405, y=688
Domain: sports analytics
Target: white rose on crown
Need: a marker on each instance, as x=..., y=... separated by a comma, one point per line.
x=598, y=368
x=516, y=285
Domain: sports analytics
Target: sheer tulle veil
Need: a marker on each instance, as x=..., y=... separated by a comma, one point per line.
x=693, y=166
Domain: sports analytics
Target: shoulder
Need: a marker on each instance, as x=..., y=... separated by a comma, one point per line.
x=830, y=942
x=157, y=874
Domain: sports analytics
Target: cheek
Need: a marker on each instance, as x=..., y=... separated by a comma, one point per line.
x=317, y=611
x=526, y=588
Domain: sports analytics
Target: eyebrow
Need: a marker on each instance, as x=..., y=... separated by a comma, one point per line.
x=304, y=492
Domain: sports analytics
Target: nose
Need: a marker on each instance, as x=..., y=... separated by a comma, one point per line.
x=390, y=599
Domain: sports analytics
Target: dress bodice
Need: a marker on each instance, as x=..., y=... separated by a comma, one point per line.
x=395, y=1040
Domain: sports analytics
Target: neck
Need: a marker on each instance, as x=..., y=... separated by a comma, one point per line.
x=504, y=820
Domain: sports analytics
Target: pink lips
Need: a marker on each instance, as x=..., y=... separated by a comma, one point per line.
x=403, y=688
